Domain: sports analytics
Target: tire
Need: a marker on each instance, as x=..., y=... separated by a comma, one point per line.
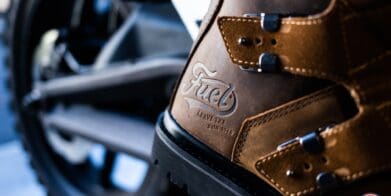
x=23, y=33
x=27, y=21
x=17, y=82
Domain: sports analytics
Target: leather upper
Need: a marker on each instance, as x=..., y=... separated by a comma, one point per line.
x=334, y=72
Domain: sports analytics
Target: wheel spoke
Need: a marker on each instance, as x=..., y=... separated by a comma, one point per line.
x=117, y=43
x=121, y=77
x=116, y=132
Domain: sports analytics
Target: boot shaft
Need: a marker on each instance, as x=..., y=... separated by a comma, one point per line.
x=264, y=73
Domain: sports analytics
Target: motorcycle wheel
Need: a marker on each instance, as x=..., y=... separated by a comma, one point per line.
x=29, y=24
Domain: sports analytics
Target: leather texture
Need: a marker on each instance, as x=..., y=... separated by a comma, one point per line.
x=353, y=150
x=253, y=93
x=334, y=53
x=320, y=45
x=331, y=55
x=286, y=122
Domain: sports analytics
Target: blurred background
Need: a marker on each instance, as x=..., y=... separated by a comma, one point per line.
x=16, y=176
x=95, y=140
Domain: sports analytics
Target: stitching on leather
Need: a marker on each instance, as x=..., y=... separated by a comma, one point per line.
x=276, y=154
x=344, y=37
x=292, y=69
x=274, y=182
x=312, y=188
x=333, y=132
x=236, y=60
x=294, y=107
x=284, y=21
x=276, y=114
x=237, y=19
x=305, y=191
x=370, y=62
x=320, y=74
x=353, y=71
x=308, y=190
x=286, y=150
x=221, y=21
x=303, y=22
x=367, y=172
x=337, y=129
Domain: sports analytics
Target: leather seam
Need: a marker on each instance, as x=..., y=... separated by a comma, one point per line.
x=298, y=70
x=336, y=130
x=325, y=135
x=286, y=21
x=296, y=106
x=366, y=12
x=344, y=37
x=220, y=24
x=367, y=172
x=378, y=58
x=295, y=146
x=320, y=74
x=276, y=114
x=277, y=154
x=359, y=91
x=356, y=85
x=319, y=19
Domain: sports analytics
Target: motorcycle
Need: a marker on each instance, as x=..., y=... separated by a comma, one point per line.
x=89, y=78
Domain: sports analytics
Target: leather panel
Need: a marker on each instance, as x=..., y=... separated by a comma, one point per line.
x=320, y=47
x=347, y=46
x=208, y=115
x=354, y=150
x=291, y=120
x=325, y=45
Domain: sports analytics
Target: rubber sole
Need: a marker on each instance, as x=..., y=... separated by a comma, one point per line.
x=198, y=170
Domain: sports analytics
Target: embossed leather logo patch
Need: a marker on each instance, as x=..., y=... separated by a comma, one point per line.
x=206, y=92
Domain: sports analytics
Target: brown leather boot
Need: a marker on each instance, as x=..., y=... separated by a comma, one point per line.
x=283, y=97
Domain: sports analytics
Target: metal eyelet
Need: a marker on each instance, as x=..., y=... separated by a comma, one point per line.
x=244, y=41
x=312, y=142
x=269, y=62
x=327, y=181
x=270, y=22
